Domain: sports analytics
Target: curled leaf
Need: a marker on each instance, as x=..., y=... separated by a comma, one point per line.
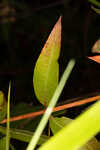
x=46, y=72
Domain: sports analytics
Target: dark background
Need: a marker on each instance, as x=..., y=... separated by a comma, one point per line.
x=23, y=32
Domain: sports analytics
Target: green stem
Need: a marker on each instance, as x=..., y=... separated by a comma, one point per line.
x=8, y=119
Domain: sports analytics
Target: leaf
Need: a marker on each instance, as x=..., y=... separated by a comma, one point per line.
x=3, y=143
x=51, y=105
x=96, y=47
x=78, y=132
x=3, y=106
x=46, y=72
x=23, y=135
x=95, y=58
x=23, y=108
x=93, y=144
x=58, y=123
x=96, y=9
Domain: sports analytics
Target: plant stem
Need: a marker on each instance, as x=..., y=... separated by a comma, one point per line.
x=58, y=108
x=8, y=120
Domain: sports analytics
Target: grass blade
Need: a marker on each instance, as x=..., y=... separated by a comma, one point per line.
x=78, y=132
x=8, y=119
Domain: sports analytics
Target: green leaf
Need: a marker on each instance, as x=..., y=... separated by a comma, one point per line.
x=3, y=144
x=57, y=124
x=75, y=135
x=3, y=106
x=51, y=105
x=93, y=144
x=23, y=135
x=46, y=72
x=23, y=108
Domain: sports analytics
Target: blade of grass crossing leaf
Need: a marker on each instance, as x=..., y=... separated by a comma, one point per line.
x=78, y=132
x=8, y=119
x=52, y=104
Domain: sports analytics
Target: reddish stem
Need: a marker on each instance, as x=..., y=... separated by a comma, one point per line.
x=58, y=108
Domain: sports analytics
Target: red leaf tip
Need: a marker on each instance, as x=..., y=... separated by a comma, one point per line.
x=60, y=18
